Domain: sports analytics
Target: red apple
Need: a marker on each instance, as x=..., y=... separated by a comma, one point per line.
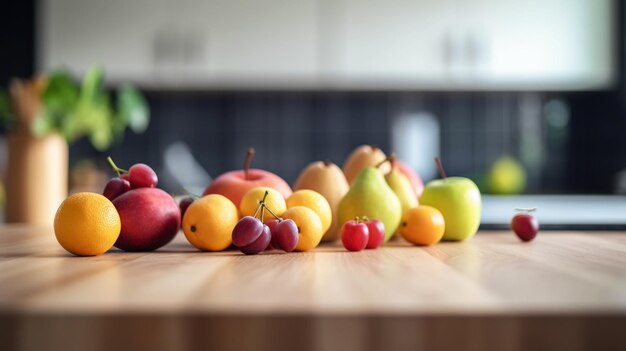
x=414, y=178
x=150, y=219
x=235, y=184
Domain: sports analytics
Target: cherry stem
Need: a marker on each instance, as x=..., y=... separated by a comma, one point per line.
x=261, y=205
x=442, y=173
x=526, y=210
x=257, y=210
x=246, y=165
x=118, y=170
x=272, y=213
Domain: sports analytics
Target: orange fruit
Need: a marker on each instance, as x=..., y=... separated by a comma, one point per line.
x=209, y=221
x=422, y=225
x=250, y=202
x=87, y=224
x=310, y=230
x=316, y=202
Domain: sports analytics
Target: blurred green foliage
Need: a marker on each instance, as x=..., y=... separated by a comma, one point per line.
x=85, y=110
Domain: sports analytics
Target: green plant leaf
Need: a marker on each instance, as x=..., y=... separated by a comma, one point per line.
x=91, y=89
x=43, y=124
x=60, y=95
x=133, y=109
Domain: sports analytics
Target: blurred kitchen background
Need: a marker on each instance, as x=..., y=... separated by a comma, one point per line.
x=539, y=84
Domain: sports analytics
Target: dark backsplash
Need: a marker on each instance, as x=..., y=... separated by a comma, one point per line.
x=291, y=129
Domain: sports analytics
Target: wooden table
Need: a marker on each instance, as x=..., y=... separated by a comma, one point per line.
x=565, y=290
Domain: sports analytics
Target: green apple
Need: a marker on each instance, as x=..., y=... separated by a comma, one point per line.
x=506, y=177
x=458, y=199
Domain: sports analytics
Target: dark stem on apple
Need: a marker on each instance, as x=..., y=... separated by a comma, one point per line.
x=117, y=170
x=246, y=165
x=327, y=163
x=442, y=173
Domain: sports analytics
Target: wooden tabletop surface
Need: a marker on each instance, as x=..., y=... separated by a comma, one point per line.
x=491, y=292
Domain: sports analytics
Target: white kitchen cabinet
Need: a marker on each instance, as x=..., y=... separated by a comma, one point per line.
x=184, y=43
x=387, y=41
x=118, y=34
x=335, y=44
x=473, y=44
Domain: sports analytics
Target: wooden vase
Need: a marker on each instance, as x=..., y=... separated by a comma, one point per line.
x=37, y=177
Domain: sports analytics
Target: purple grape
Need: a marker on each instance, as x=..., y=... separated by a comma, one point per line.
x=184, y=204
x=286, y=235
x=260, y=244
x=115, y=187
x=247, y=231
x=142, y=176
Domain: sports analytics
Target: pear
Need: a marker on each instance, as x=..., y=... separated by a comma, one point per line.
x=401, y=186
x=362, y=157
x=327, y=179
x=370, y=196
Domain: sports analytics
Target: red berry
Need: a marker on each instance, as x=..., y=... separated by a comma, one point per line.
x=141, y=175
x=260, y=244
x=115, y=187
x=377, y=233
x=272, y=224
x=247, y=231
x=287, y=235
x=354, y=235
x=525, y=226
x=184, y=204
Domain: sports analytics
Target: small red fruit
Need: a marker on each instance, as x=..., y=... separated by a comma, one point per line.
x=354, y=235
x=184, y=204
x=525, y=225
x=377, y=233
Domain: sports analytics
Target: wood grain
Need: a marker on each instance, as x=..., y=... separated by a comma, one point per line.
x=565, y=290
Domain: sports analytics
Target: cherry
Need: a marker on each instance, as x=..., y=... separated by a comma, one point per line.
x=377, y=233
x=525, y=225
x=142, y=176
x=354, y=235
x=184, y=204
x=115, y=187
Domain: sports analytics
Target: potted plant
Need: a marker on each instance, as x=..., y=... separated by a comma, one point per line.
x=41, y=117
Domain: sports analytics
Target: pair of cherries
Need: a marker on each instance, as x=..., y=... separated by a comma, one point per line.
x=362, y=233
x=252, y=236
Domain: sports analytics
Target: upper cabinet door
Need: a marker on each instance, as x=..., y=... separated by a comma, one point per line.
x=382, y=42
x=184, y=42
x=270, y=39
x=322, y=44
x=118, y=34
x=564, y=44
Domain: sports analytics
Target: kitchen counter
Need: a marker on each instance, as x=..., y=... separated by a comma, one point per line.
x=565, y=290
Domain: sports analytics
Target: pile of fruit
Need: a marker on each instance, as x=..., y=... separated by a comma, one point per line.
x=365, y=204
